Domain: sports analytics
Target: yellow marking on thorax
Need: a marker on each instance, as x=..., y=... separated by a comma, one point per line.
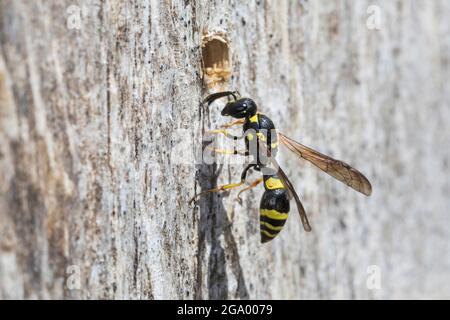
x=254, y=118
x=249, y=137
x=274, y=183
x=261, y=136
x=273, y=214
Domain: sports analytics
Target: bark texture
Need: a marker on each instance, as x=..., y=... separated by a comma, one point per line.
x=93, y=203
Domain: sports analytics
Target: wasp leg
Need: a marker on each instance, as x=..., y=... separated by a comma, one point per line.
x=229, y=151
x=251, y=186
x=218, y=189
x=232, y=124
x=226, y=186
x=225, y=133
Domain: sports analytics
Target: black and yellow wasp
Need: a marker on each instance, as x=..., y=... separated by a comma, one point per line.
x=261, y=142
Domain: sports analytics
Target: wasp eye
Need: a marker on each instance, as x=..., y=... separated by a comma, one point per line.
x=244, y=105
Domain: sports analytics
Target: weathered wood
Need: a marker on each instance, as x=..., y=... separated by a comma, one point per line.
x=93, y=201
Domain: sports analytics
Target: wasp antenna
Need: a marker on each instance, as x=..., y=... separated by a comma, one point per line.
x=213, y=97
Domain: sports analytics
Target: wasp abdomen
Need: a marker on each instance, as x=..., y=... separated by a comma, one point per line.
x=274, y=208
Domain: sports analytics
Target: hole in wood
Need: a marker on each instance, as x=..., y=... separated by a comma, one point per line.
x=216, y=60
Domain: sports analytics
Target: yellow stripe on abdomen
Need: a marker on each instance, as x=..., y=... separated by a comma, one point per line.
x=269, y=234
x=273, y=214
x=271, y=227
x=274, y=183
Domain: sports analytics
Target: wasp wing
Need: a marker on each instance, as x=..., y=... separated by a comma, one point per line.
x=291, y=189
x=285, y=180
x=335, y=168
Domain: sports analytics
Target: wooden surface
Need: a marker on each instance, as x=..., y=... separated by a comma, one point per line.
x=95, y=174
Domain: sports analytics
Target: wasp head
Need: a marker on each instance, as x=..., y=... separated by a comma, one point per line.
x=239, y=109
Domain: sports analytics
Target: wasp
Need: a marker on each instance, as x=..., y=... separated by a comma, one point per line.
x=261, y=142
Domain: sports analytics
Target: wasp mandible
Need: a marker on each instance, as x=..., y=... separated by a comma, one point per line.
x=259, y=131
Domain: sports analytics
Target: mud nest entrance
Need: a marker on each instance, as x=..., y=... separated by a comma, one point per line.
x=216, y=60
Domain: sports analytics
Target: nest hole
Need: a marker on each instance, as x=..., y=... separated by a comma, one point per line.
x=216, y=60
